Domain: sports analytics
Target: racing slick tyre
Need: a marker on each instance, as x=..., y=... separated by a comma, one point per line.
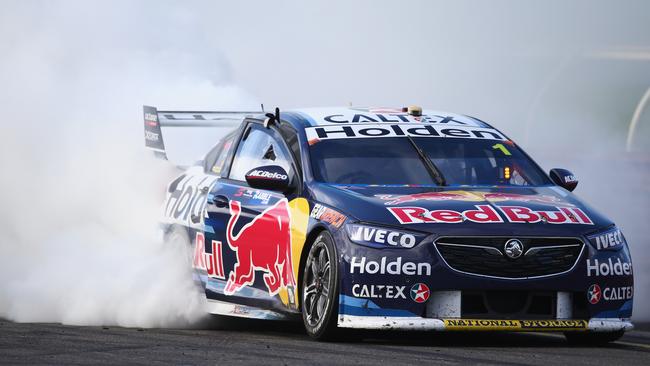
x=320, y=289
x=592, y=338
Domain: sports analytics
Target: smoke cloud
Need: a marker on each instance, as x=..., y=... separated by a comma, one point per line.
x=80, y=196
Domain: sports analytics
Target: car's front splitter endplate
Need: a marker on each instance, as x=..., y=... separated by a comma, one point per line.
x=417, y=323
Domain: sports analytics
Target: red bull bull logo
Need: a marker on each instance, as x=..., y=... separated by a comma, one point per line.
x=264, y=244
x=473, y=196
x=426, y=196
x=541, y=199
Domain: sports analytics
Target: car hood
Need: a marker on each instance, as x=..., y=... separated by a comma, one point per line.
x=550, y=211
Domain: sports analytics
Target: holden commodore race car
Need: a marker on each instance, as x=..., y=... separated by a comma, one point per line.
x=391, y=219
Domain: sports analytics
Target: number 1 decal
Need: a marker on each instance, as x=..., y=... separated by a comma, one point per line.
x=503, y=149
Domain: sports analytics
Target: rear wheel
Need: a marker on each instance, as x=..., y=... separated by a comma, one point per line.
x=320, y=289
x=593, y=338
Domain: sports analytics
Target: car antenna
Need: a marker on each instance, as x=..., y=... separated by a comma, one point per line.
x=262, y=104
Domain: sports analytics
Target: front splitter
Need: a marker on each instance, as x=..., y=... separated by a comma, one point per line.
x=417, y=323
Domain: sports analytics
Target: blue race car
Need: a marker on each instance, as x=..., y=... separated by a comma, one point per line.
x=392, y=219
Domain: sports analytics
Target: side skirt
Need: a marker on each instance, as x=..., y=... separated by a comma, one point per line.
x=243, y=311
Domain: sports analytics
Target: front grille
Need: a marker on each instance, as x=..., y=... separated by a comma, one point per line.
x=485, y=256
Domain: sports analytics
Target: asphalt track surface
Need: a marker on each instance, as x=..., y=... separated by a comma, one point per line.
x=282, y=343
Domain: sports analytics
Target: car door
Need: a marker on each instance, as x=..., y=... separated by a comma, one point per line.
x=247, y=230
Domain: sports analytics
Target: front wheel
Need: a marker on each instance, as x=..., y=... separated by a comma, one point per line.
x=320, y=289
x=593, y=338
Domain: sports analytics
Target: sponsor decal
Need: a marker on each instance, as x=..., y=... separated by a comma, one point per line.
x=151, y=117
x=417, y=215
x=396, y=130
x=570, y=179
x=563, y=215
x=151, y=136
x=263, y=174
x=420, y=293
x=462, y=324
x=393, y=116
x=397, y=267
x=553, y=324
x=608, y=240
x=488, y=214
x=212, y=261
x=618, y=293
x=472, y=196
x=264, y=244
x=520, y=325
x=608, y=268
x=240, y=310
x=368, y=234
x=253, y=194
x=188, y=199
x=378, y=291
x=595, y=294
x=326, y=214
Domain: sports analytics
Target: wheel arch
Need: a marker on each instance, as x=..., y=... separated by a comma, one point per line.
x=309, y=241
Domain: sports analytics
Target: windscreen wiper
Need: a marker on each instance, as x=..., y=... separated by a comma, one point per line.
x=431, y=167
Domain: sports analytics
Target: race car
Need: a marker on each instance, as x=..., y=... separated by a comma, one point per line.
x=391, y=218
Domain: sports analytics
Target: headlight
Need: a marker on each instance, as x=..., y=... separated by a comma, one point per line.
x=381, y=237
x=610, y=239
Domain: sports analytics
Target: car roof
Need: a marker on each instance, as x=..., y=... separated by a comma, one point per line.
x=311, y=117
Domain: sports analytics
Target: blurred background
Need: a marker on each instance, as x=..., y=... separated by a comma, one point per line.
x=79, y=196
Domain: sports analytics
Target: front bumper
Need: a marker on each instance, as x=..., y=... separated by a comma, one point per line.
x=417, y=323
x=381, y=288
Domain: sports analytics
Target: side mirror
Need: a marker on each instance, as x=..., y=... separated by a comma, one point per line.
x=269, y=177
x=564, y=179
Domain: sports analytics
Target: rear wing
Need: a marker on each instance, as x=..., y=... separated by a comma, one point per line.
x=154, y=120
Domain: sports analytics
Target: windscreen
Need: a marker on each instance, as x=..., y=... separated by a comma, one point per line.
x=397, y=161
x=368, y=161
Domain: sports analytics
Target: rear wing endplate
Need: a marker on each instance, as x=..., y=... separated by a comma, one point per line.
x=154, y=120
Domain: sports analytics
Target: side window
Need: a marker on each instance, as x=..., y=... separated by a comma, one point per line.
x=261, y=147
x=222, y=155
x=215, y=160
